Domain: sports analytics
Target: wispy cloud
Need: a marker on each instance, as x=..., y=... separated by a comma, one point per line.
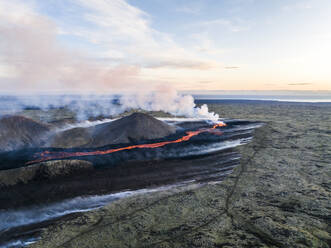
x=204, y=44
x=205, y=82
x=180, y=64
x=303, y=5
x=236, y=25
x=300, y=84
x=120, y=36
x=231, y=67
x=119, y=26
x=189, y=10
x=30, y=47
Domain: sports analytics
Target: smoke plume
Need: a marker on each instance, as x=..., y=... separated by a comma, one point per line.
x=40, y=63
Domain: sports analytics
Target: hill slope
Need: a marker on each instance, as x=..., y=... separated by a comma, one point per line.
x=18, y=132
x=133, y=128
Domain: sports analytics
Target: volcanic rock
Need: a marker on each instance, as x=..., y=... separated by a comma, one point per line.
x=133, y=128
x=71, y=138
x=56, y=117
x=45, y=170
x=18, y=132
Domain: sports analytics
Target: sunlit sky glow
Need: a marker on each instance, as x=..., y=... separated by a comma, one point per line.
x=192, y=45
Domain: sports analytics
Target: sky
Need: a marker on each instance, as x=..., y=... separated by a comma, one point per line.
x=113, y=45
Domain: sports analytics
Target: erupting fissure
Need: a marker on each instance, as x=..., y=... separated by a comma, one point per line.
x=49, y=155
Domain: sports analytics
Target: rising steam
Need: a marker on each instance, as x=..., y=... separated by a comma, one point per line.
x=168, y=100
x=87, y=106
x=39, y=63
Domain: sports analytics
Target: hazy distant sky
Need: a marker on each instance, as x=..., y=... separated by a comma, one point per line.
x=190, y=44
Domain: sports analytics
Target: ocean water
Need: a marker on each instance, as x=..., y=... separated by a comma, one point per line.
x=313, y=98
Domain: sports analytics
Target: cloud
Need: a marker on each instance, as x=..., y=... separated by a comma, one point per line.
x=180, y=64
x=30, y=47
x=119, y=37
x=304, y=5
x=118, y=18
x=237, y=25
x=204, y=44
x=231, y=67
x=300, y=84
x=118, y=26
x=188, y=10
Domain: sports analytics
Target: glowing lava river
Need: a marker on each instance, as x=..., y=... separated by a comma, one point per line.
x=50, y=155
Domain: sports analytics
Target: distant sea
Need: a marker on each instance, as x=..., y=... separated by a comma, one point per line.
x=308, y=98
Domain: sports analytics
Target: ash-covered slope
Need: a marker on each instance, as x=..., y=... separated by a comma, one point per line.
x=18, y=132
x=75, y=137
x=133, y=128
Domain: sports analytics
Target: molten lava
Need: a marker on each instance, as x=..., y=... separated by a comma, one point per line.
x=48, y=155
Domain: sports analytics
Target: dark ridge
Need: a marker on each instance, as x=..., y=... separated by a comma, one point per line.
x=18, y=132
x=133, y=128
x=131, y=175
x=130, y=129
x=19, y=158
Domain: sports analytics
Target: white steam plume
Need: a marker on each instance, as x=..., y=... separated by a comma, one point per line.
x=168, y=100
x=86, y=106
x=40, y=63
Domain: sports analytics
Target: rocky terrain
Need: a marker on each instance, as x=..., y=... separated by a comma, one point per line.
x=45, y=170
x=18, y=132
x=52, y=181
x=279, y=196
x=133, y=128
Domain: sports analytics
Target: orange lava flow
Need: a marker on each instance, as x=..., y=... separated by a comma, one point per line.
x=48, y=155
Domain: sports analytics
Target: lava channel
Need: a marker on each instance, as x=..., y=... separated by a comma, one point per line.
x=49, y=155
